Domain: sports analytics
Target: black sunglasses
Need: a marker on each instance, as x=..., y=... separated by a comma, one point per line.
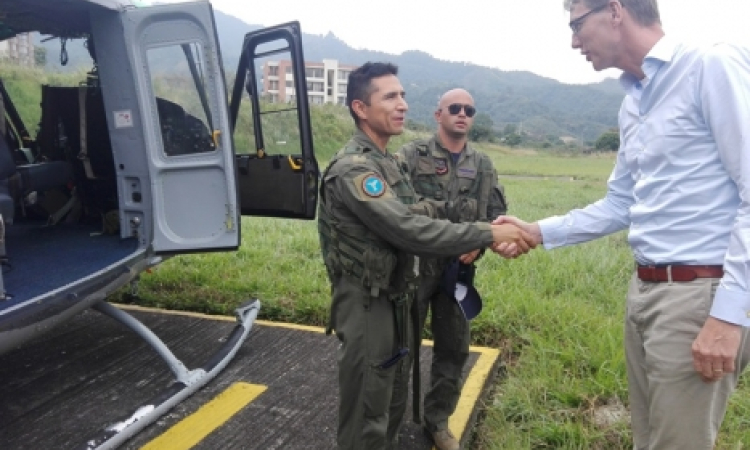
x=576, y=24
x=455, y=108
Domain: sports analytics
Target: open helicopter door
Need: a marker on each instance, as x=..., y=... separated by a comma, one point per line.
x=276, y=166
x=160, y=69
x=191, y=159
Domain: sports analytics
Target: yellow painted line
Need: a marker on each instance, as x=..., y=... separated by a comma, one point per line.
x=472, y=389
x=194, y=428
x=470, y=393
x=292, y=326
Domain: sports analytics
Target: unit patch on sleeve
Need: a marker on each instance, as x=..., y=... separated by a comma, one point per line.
x=373, y=185
x=370, y=186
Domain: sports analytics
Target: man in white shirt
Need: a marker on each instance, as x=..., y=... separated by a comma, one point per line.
x=681, y=184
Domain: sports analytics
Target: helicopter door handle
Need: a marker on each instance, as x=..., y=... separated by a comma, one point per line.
x=215, y=136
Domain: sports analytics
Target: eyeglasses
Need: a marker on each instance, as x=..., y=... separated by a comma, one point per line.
x=576, y=24
x=455, y=108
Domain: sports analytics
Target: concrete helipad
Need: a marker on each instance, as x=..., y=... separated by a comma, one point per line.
x=279, y=392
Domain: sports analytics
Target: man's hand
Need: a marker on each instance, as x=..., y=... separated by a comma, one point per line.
x=509, y=250
x=715, y=349
x=468, y=258
x=512, y=235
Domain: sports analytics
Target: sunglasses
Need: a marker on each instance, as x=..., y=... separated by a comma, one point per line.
x=456, y=108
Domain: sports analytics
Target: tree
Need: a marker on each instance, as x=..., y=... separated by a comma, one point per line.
x=513, y=139
x=609, y=140
x=482, y=128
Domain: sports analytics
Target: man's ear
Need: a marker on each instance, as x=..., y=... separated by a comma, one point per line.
x=437, y=115
x=360, y=109
x=615, y=10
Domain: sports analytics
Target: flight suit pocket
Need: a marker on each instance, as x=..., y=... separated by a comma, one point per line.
x=425, y=167
x=379, y=265
x=378, y=389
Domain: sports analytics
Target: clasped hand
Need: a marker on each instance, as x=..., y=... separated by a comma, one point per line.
x=528, y=236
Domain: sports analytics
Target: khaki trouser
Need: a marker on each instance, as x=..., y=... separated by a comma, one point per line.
x=671, y=407
x=372, y=400
x=450, y=332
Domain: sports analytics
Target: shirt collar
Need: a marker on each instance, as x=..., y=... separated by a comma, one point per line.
x=661, y=53
x=467, y=149
x=363, y=140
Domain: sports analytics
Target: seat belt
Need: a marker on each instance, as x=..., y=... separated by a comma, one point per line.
x=83, y=155
x=57, y=216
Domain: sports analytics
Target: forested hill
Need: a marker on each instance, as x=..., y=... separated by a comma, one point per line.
x=541, y=107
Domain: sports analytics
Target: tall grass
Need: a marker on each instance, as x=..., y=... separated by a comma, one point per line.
x=556, y=316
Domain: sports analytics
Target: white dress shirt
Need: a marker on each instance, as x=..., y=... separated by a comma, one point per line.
x=682, y=177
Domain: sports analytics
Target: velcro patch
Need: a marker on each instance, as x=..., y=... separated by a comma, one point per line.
x=441, y=166
x=370, y=186
x=467, y=172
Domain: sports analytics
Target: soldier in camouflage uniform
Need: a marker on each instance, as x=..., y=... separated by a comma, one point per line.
x=370, y=229
x=447, y=168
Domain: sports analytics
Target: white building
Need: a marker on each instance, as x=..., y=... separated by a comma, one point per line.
x=326, y=81
x=19, y=49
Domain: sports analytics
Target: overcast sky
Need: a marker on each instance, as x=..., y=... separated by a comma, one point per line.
x=529, y=35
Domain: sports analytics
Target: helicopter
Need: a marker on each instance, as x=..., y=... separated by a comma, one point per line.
x=139, y=162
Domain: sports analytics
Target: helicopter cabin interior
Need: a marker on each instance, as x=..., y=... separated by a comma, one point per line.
x=58, y=194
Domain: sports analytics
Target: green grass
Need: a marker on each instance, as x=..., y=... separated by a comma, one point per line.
x=556, y=316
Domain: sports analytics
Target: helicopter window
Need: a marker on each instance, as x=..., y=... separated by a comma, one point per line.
x=272, y=81
x=182, y=101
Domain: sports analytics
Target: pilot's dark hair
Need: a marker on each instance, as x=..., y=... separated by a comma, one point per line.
x=360, y=83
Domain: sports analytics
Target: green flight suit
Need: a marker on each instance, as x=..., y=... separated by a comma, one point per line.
x=472, y=182
x=370, y=232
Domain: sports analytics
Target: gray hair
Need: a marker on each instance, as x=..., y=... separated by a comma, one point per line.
x=645, y=12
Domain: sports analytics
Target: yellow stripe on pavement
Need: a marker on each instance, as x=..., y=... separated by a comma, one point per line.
x=472, y=389
x=194, y=428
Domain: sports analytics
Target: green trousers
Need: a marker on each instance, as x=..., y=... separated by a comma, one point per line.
x=372, y=399
x=450, y=332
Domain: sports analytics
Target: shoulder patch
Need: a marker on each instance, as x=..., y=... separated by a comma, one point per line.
x=373, y=185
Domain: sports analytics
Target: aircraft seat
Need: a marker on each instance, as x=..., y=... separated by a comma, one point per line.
x=7, y=169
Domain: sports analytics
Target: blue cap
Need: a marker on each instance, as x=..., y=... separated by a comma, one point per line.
x=458, y=284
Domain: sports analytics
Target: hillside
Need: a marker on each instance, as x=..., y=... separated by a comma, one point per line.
x=541, y=107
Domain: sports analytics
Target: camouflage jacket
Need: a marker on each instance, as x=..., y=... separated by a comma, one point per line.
x=473, y=177
x=366, y=224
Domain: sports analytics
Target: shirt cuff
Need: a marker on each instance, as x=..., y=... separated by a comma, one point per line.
x=731, y=306
x=486, y=229
x=554, y=231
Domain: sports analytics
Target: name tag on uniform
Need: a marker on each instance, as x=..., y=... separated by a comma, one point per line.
x=467, y=172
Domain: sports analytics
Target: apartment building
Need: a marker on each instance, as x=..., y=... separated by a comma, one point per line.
x=326, y=81
x=19, y=49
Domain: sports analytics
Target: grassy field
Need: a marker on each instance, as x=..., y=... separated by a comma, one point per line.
x=556, y=316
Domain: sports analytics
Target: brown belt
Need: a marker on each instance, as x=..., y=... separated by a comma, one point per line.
x=658, y=274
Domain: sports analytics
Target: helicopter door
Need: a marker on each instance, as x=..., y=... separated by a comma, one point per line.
x=191, y=163
x=276, y=167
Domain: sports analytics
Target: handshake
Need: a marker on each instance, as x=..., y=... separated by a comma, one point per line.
x=514, y=237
